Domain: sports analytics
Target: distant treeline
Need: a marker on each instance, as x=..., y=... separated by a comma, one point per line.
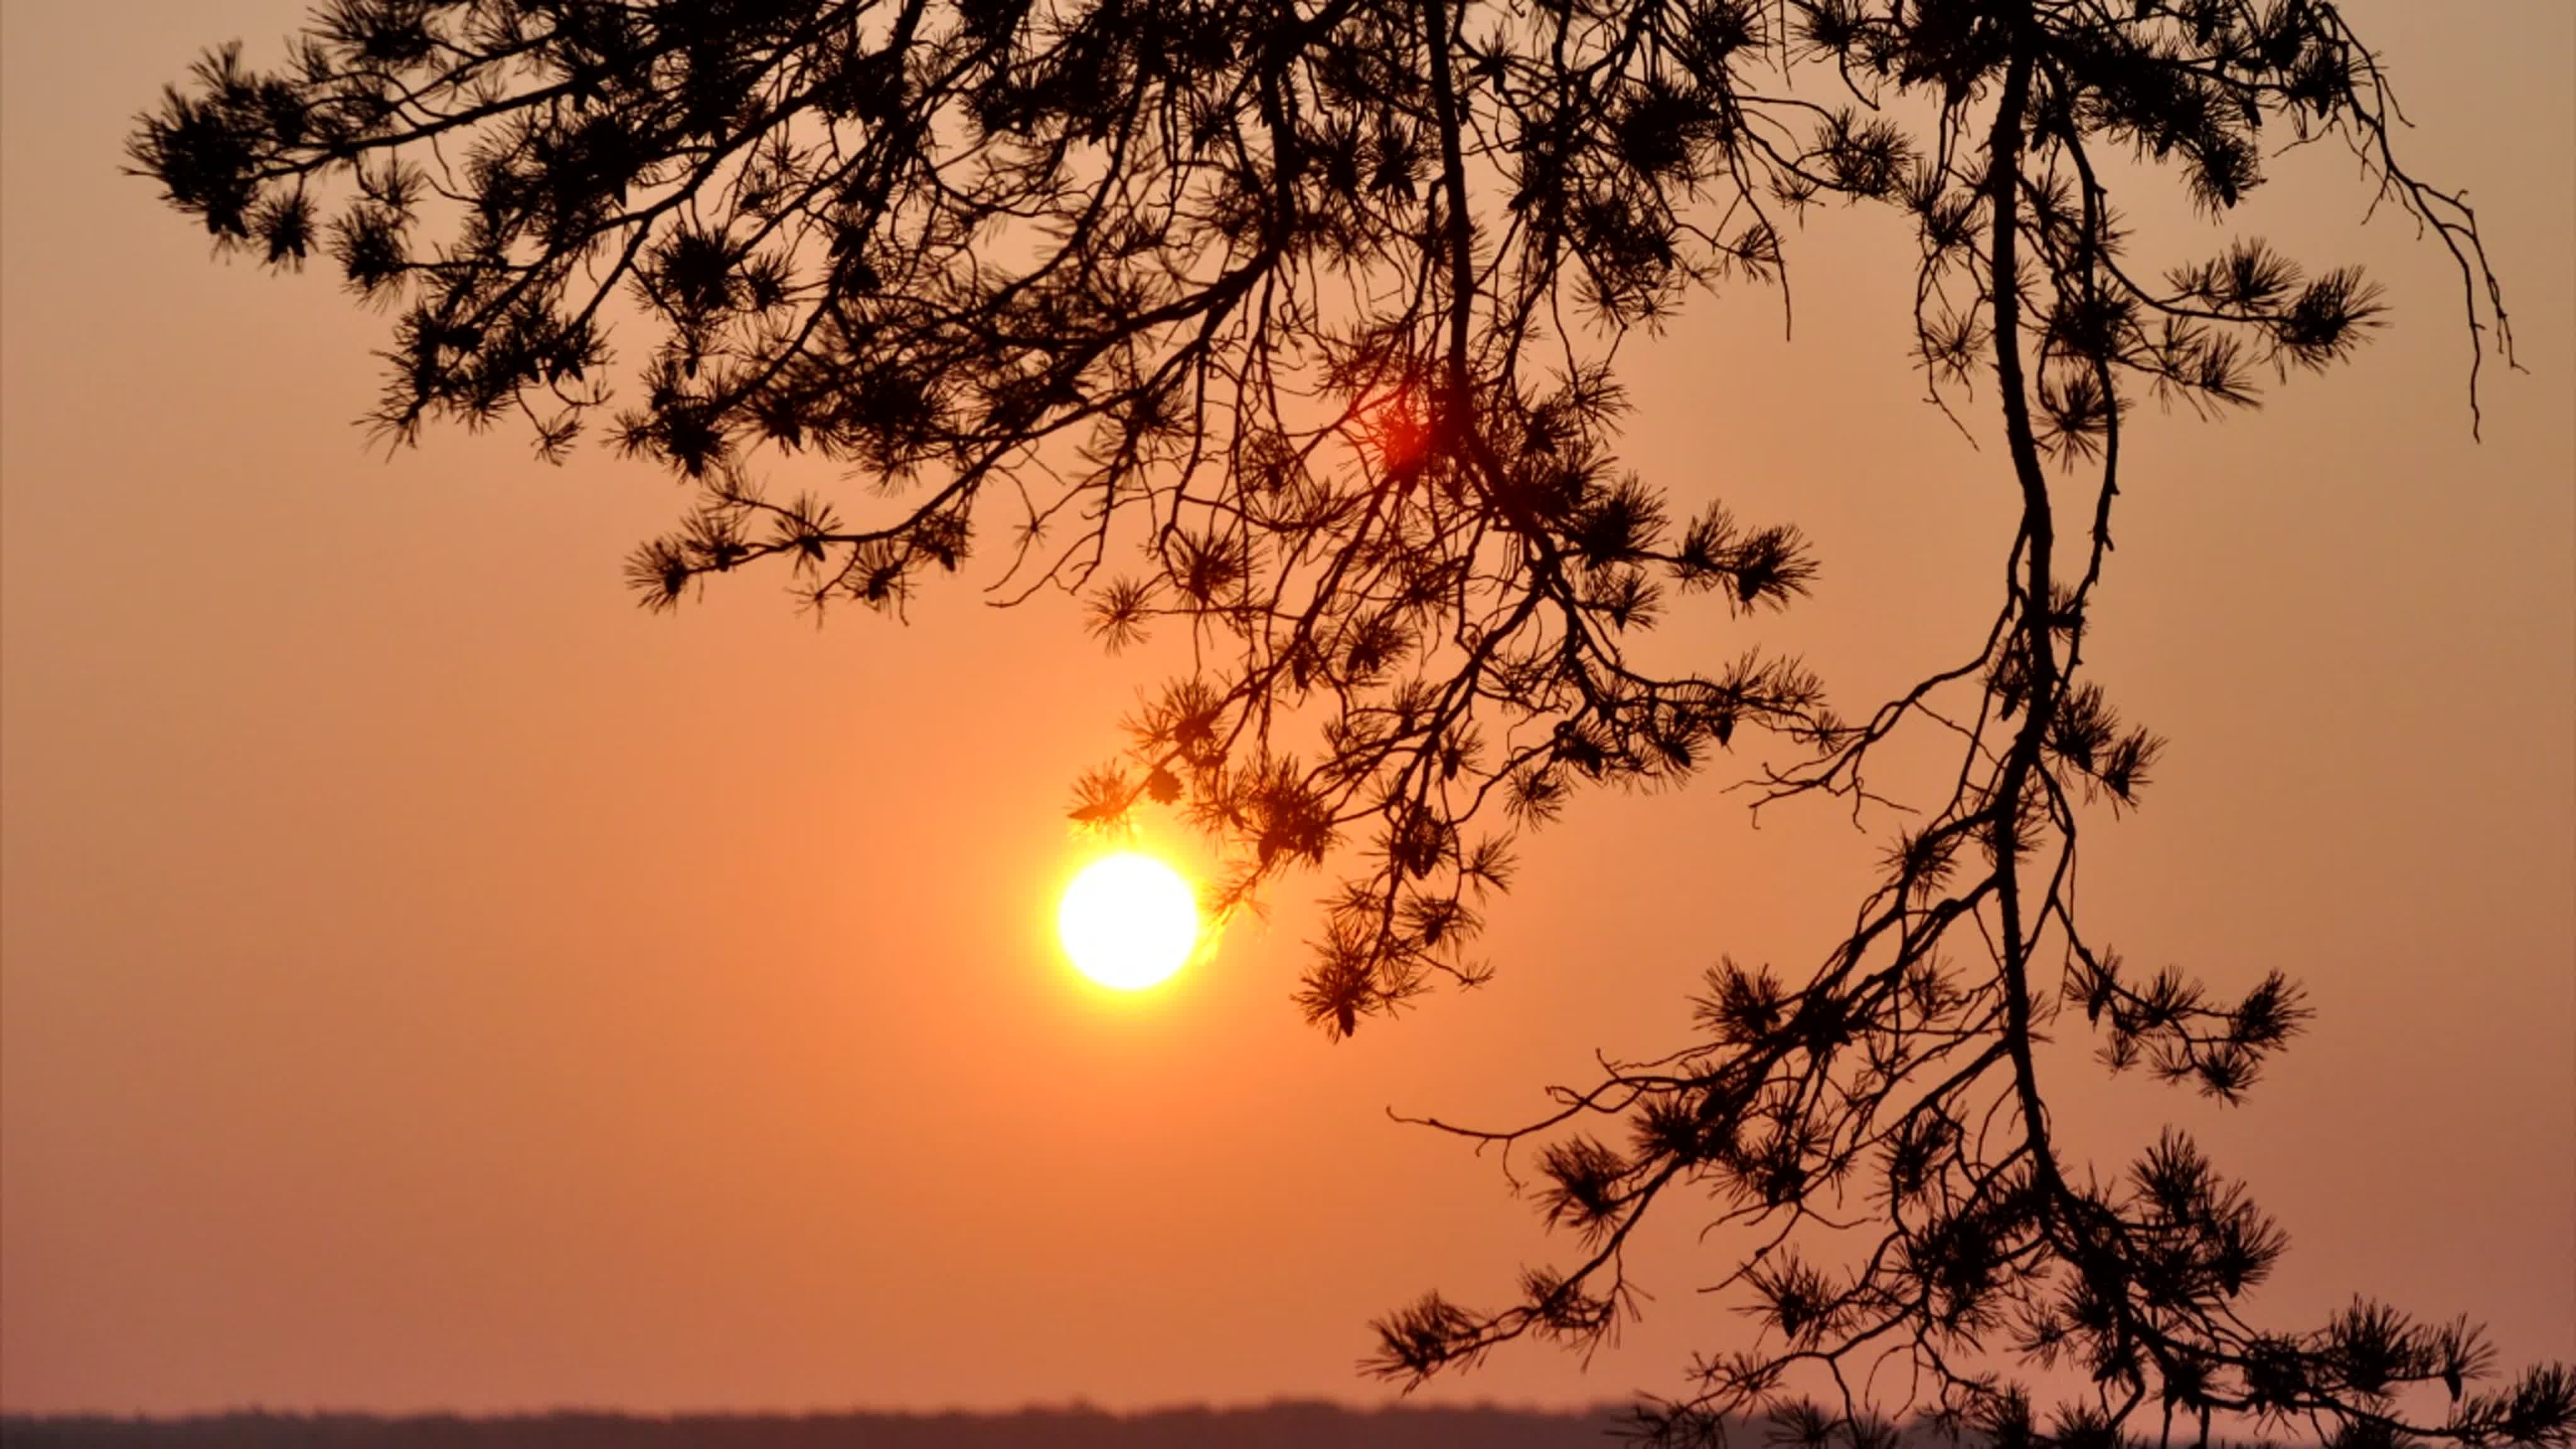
x=1275, y=1426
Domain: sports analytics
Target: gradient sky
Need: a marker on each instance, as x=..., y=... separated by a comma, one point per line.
x=426, y=980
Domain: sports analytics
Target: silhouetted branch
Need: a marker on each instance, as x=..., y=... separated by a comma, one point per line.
x=1309, y=314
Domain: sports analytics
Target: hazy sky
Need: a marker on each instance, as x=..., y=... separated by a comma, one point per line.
x=427, y=980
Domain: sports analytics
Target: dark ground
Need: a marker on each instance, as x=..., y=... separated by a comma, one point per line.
x=1275, y=1426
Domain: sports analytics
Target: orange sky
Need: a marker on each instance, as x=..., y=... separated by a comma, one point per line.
x=428, y=980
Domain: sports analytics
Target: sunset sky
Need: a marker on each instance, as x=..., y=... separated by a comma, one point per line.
x=429, y=981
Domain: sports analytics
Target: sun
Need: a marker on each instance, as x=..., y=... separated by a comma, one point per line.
x=1128, y=921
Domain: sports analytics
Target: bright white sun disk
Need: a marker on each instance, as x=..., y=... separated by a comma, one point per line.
x=1128, y=921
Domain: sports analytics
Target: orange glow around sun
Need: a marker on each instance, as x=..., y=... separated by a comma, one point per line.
x=1128, y=921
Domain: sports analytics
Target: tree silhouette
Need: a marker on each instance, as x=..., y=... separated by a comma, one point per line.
x=1293, y=326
